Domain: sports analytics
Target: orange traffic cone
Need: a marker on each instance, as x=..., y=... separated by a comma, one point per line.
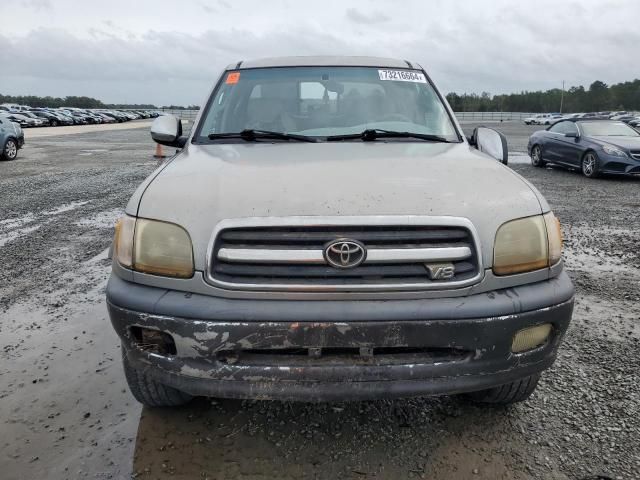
x=159, y=153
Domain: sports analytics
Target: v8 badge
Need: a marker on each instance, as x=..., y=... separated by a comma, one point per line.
x=440, y=271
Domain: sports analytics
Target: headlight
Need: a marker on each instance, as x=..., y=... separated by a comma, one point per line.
x=155, y=247
x=527, y=244
x=615, y=151
x=123, y=241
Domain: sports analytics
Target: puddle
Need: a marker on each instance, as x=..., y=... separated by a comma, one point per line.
x=66, y=409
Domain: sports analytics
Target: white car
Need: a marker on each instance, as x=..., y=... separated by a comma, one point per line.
x=549, y=118
x=543, y=119
x=532, y=120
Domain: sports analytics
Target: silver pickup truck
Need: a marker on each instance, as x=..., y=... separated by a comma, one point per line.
x=327, y=233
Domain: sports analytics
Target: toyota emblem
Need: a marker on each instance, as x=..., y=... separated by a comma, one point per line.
x=345, y=253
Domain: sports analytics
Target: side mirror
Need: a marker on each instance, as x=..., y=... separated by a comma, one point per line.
x=491, y=142
x=572, y=134
x=167, y=130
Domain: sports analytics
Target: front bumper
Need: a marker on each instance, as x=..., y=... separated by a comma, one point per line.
x=430, y=346
x=613, y=165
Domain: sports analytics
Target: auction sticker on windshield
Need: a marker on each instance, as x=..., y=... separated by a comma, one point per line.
x=402, y=76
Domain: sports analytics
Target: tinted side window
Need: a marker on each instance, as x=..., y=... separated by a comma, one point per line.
x=559, y=128
x=571, y=127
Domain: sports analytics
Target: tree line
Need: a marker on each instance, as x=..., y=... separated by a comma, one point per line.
x=597, y=98
x=75, y=102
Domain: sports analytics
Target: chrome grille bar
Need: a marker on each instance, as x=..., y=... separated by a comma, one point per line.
x=374, y=255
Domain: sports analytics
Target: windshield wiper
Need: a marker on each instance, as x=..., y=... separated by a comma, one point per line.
x=251, y=135
x=375, y=133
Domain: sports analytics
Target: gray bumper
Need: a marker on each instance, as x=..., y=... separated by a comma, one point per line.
x=463, y=344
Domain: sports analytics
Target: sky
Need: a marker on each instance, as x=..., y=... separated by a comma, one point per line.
x=170, y=52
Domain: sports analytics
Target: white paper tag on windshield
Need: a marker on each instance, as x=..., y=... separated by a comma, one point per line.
x=402, y=76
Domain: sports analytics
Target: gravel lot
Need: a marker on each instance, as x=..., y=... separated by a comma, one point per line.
x=65, y=411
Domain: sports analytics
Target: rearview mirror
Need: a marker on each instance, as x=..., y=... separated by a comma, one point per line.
x=572, y=134
x=491, y=142
x=167, y=130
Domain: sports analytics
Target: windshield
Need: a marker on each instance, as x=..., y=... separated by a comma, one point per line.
x=608, y=129
x=325, y=101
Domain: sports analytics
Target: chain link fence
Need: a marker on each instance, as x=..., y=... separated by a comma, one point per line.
x=492, y=116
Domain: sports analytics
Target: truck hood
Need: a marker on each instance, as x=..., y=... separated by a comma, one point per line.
x=205, y=184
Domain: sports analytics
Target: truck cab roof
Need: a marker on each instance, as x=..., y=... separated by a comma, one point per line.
x=324, y=61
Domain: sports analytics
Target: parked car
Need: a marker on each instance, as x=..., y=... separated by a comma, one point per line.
x=594, y=146
x=40, y=122
x=12, y=107
x=635, y=123
x=52, y=119
x=76, y=117
x=22, y=120
x=593, y=116
x=543, y=119
x=614, y=115
x=11, y=138
x=553, y=118
x=117, y=116
x=105, y=118
x=532, y=120
x=65, y=119
x=626, y=118
x=327, y=232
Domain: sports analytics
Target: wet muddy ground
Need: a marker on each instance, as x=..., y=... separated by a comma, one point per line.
x=65, y=411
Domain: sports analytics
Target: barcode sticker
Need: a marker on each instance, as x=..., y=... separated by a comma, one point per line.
x=402, y=76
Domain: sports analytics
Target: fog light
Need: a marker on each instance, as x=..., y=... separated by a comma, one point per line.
x=154, y=341
x=530, y=338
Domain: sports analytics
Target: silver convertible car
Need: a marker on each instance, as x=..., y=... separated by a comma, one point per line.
x=328, y=233
x=596, y=147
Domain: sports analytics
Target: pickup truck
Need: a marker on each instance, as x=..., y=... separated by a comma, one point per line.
x=326, y=232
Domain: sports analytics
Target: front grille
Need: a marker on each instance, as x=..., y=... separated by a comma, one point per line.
x=635, y=154
x=253, y=256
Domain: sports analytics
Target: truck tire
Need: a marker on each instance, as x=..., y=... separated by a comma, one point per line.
x=149, y=392
x=513, y=392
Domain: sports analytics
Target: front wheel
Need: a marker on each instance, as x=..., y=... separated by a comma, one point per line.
x=590, y=165
x=536, y=157
x=9, y=150
x=513, y=392
x=148, y=391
